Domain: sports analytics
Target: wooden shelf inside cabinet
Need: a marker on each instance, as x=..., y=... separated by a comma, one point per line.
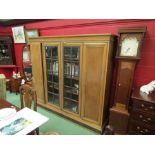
x=71, y=92
x=54, y=59
x=68, y=86
x=71, y=99
x=72, y=60
x=70, y=109
x=55, y=83
x=71, y=77
x=55, y=87
x=53, y=93
x=51, y=73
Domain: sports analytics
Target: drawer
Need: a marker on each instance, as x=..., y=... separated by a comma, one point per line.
x=143, y=118
x=143, y=106
x=139, y=129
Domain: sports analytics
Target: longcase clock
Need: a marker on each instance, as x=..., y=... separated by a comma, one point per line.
x=128, y=53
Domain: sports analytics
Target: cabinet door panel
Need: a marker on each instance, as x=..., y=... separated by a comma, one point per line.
x=37, y=72
x=94, y=56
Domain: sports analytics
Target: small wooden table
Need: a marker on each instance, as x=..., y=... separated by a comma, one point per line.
x=15, y=84
x=6, y=104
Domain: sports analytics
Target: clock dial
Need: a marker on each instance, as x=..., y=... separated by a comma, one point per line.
x=129, y=47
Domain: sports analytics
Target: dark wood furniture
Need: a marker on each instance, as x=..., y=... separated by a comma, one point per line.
x=7, y=55
x=6, y=51
x=72, y=76
x=8, y=84
x=142, y=118
x=15, y=84
x=118, y=119
x=129, y=45
x=6, y=104
x=28, y=99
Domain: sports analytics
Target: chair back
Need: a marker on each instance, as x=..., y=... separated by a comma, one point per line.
x=28, y=97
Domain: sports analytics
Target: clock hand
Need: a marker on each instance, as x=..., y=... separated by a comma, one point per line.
x=127, y=49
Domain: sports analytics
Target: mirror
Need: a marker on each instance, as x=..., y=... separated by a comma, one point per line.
x=27, y=65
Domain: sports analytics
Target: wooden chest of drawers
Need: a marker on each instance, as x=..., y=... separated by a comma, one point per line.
x=15, y=84
x=142, y=118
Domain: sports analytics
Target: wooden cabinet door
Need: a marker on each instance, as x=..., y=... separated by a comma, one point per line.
x=94, y=64
x=37, y=71
x=124, y=81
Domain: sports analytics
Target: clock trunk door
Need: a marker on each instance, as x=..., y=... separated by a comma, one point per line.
x=124, y=81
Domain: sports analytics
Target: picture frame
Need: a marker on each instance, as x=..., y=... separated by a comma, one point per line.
x=31, y=33
x=18, y=34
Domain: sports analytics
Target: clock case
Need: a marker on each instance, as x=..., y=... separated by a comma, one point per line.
x=137, y=32
x=119, y=114
x=126, y=65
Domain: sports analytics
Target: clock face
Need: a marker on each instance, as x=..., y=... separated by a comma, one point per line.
x=129, y=47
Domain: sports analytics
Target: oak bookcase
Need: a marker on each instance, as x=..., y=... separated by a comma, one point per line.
x=72, y=76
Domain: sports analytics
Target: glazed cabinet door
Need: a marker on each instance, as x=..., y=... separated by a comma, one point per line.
x=6, y=51
x=51, y=54
x=95, y=57
x=37, y=71
x=71, y=77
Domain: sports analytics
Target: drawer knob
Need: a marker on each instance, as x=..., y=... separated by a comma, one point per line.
x=140, y=116
x=151, y=107
x=119, y=84
x=142, y=105
x=146, y=130
x=142, y=131
x=138, y=127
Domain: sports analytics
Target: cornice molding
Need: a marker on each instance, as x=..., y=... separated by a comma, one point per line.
x=14, y=22
x=106, y=22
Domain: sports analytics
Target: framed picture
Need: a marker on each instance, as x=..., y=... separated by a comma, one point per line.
x=18, y=34
x=31, y=33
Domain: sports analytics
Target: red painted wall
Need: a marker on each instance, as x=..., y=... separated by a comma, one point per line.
x=145, y=69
